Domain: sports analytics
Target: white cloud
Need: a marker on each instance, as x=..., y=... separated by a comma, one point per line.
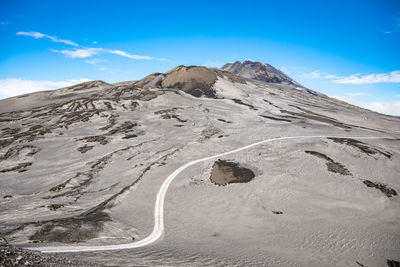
x=89, y=52
x=124, y=54
x=396, y=24
x=317, y=74
x=398, y=95
x=389, y=107
x=80, y=53
x=85, y=52
x=95, y=61
x=13, y=87
x=357, y=78
x=392, y=77
x=38, y=35
x=357, y=94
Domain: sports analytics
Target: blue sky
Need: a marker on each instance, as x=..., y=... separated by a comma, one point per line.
x=347, y=49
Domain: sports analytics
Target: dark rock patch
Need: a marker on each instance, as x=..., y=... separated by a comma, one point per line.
x=227, y=172
x=269, y=102
x=393, y=263
x=274, y=118
x=277, y=212
x=123, y=128
x=6, y=142
x=18, y=257
x=134, y=134
x=240, y=102
x=17, y=150
x=21, y=167
x=167, y=114
x=95, y=138
x=84, y=148
x=210, y=132
x=333, y=166
x=320, y=118
x=55, y=206
x=222, y=120
x=73, y=229
x=389, y=192
x=360, y=146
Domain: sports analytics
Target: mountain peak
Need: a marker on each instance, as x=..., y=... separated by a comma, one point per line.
x=258, y=71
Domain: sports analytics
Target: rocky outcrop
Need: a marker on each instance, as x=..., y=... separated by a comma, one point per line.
x=258, y=71
x=195, y=80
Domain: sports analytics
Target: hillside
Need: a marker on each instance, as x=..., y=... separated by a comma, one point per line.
x=83, y=165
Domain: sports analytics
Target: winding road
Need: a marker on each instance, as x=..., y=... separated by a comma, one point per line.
x=158, y=229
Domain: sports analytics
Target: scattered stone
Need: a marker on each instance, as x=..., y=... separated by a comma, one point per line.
x=277, y=212
x=55, y=206
x=7, y=196
x=13, y=256
x=210, y=131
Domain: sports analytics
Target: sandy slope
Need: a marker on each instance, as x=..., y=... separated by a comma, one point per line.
x=86, y=173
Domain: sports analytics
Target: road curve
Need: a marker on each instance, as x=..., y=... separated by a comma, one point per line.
x=158, y=228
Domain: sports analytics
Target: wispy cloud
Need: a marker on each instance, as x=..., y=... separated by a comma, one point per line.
x=79, y=53
x=95, y=61
x=317, y=74
x=392, y=77
x=4, y=23
x=389, y=107
x=13, y=87
x=357, y=94
x=124, y=54
x=38, y=35
x=89, y=52
x=85, y=52
x=395, y=24
x=357, y=78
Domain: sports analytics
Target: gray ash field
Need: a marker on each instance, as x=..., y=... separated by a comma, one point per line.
x=82, y=165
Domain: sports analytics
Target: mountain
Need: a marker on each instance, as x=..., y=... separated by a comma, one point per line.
x=248, y=169
x=258, y=71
